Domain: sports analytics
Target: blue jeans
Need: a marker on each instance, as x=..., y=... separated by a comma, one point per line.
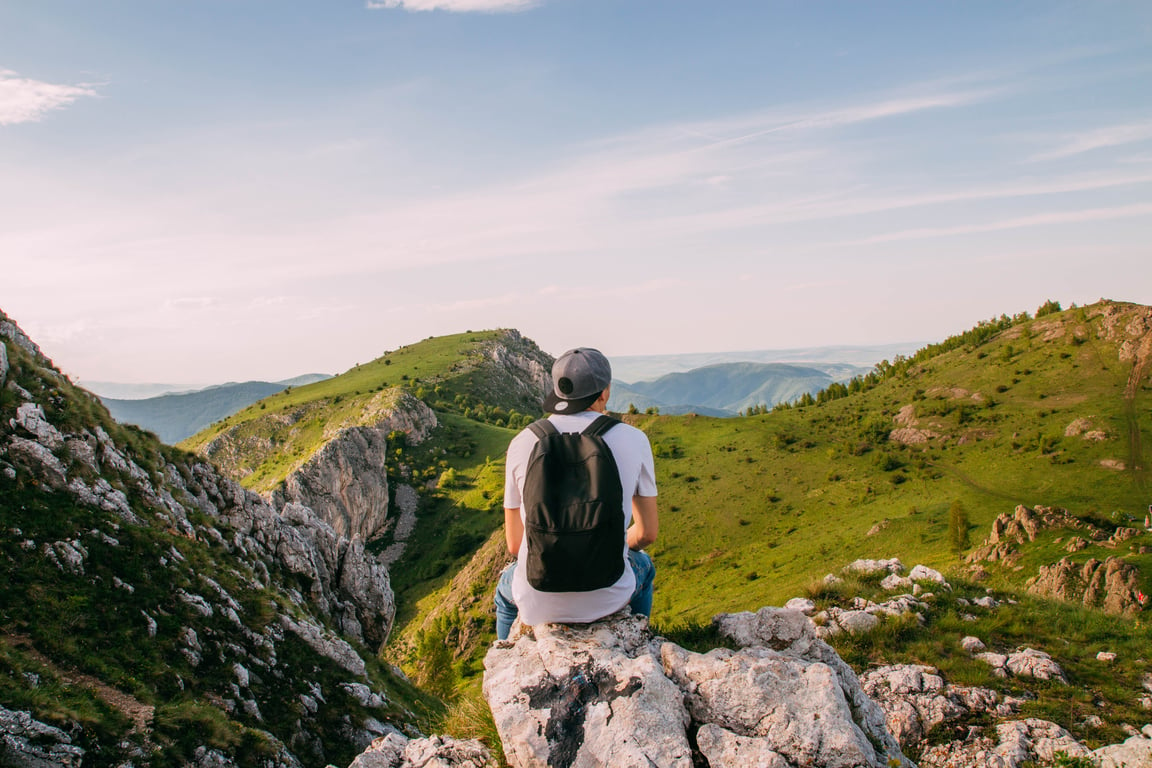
x=642, y=566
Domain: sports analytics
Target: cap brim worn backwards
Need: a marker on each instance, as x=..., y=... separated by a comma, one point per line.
x=553, y=403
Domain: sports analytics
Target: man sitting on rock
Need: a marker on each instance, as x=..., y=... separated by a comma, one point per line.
x=578, y=558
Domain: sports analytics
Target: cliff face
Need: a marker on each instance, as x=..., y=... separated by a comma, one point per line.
x=345, y=482
x=329, y=454
x=157, y=575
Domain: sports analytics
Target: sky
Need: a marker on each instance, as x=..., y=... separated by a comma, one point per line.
x=223, y=190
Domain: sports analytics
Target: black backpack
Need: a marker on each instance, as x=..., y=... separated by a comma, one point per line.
x=573, y=509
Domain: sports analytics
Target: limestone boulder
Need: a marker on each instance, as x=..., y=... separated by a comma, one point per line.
x=396, y=750
x=611, y=694
x=586, y=695
x=25, y=741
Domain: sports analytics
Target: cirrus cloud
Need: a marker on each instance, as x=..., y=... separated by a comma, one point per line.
x=25, y=101
x=457, y=6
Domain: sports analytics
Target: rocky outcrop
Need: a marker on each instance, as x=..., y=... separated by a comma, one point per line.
x=398, y=751
x=3, y=364
x=612, y=694
x=527, y=369
x=915, y=699
x=1010, y=531
x=1013, y=745
x=1113, y=585
x=28, y=743
x=345, y=482
x=1133, y=752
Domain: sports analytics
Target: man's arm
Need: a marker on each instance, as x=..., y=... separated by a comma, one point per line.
x=645, y=522
x=513, y=530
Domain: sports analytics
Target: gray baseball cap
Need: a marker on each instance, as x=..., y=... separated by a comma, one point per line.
x=578, y=377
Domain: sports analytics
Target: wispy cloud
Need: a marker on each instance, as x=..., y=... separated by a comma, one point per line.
x=1036, y=220
x=1100, y=138
x=23, y=100
x=456, y=6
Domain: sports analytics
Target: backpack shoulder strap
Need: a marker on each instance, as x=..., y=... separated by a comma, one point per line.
x=542, y=428
x=601, y=425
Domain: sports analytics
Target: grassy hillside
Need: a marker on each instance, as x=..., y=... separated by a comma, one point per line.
x=754, y=509
x=263, y=443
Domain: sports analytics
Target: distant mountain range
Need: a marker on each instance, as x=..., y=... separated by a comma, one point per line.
x=725, y=389
x=176, y=416
x=841, y=362
x=706, y=383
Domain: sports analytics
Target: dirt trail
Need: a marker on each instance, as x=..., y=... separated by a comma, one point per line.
x=137, y=711
x=971, y=483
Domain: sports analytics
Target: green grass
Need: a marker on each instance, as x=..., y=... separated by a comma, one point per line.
x=753, y=508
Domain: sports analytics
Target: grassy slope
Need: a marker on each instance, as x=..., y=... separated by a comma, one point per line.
x=754, y=509
x=278, y=434
x=57, y=625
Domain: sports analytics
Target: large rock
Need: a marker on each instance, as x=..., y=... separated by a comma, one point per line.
x=1134, y=752
x=611, y=694
x=915, y=699
x=29, y=743
x=1113, y=584
x=3, y=364
x=345, y=482
x=398, y=751
x=588, y=695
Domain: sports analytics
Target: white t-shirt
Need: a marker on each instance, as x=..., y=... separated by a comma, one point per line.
x=633, y=456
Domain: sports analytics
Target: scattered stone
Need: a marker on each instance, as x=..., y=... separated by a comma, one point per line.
x=892, y=565
x=1025, y=663
x=30, y=417
x=802, y=604
x=1106, y=656
x=325, y=644
x=894, y=581
x=364, y=695
x=915, y=700
x=1134, y=752
x=972, y=644
x=924, y=573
